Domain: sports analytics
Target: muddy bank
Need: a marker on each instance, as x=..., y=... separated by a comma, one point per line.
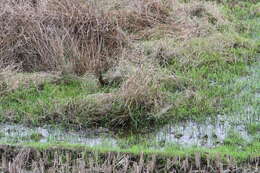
x=21, y=159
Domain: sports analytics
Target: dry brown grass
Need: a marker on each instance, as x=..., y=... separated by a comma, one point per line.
x=6, y=71
x=142, y=88
x=16, y=159
x=79, y=37
x=141, y=14
x=196, y=18
x=218, y=45
x=58, y=35
x=14, y=81
x=154, y=19
x=192, y=52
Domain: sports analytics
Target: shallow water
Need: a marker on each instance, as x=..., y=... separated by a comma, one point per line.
x=210, y=133
x=10, y=133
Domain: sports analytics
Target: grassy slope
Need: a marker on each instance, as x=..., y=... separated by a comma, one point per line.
x=213, y=78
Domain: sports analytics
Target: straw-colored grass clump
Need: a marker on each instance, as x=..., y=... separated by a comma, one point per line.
x=70, y=36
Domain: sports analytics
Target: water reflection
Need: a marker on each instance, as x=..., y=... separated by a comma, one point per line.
x=210, y=133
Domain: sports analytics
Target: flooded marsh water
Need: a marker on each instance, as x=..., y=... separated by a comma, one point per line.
x=11, y=133
x=210, y=133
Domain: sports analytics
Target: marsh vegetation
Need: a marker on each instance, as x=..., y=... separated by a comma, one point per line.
x=152, y=76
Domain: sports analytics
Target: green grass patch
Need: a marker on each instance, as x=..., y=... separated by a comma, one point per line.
x=33, y=103
x=254, y=128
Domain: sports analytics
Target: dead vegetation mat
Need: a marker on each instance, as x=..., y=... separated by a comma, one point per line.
x=15, y=159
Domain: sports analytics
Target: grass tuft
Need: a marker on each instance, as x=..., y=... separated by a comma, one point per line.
x=69, y=36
